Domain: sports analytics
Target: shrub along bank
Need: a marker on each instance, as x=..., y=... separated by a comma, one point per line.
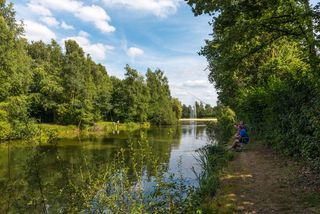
x=215, y=156
x=100, y=128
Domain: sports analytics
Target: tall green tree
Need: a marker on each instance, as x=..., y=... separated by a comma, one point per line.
x=161, y=111
x=185, y=111
x=130, y=97
x=102, y=90
x=177, y=107
x=77, y=107
x=15, y=76
x=46, y=88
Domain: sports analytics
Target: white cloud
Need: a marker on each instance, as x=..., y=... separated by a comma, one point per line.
x=96, y=50
x=50, y=21
x=39, y=9
x=36, y=31
x=66, y=26
x=196, y=84
x=93, y=14
x=161, y=8
x=61, y=5
x=96, y=15
x=84, y=34
x=133, y=52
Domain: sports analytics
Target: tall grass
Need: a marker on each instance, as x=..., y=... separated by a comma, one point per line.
x=214, y=157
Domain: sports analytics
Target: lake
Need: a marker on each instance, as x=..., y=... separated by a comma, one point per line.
x=51, y=178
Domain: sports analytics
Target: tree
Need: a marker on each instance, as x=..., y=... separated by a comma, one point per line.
x=137, y=95
x=77, y=106
x=161, y=111
x=130, y=98
x=46, y=88
x=177, y=107
x=15, y=75
x=103, y=90
x=185, y=111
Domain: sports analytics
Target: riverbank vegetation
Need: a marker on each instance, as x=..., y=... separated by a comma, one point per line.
x=264, y=61
x=47, y=83
x=214, y=157
x=97, y=129
x=199, y=110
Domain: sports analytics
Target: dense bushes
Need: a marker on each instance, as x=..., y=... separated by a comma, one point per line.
x=215, y=156
x=289, y=118
x=264, y=61
x=223, y=129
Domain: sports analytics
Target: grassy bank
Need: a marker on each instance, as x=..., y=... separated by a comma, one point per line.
x=213, y=160
x=100, y=128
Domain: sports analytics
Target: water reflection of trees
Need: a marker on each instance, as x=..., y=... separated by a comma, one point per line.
x=42, y=178
x=196, y=129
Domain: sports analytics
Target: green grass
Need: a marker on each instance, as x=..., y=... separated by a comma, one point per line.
x=99, y=128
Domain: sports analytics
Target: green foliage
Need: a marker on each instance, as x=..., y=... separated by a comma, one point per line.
x=223, y=129
x=186, y=111
x=41, y=83
x=15, y=77
x=162, y=109
x=4, y=124
x=139, y=100
x=264, y=61
x=203, y=111
x=74, y=90
x=177, y=107
x=212, y=158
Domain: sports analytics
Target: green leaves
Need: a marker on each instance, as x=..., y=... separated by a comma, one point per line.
x=135, y=99
x=264, y=61
x=43, y=82
x=163, y=109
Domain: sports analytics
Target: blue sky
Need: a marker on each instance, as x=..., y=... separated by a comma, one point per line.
x=142, y=33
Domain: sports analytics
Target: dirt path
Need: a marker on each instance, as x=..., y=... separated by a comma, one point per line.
x=260, y=181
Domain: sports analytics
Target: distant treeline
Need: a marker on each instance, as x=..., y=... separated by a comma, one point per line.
x=43, y=83
x=264, y=60
x=202, y=110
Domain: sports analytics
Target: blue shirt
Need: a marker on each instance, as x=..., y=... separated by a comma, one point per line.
x=243, y=133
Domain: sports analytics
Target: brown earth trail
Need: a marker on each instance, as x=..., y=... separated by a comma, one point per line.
x=259, y=180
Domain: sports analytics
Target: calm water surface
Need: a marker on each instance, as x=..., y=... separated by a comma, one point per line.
x=30, y=175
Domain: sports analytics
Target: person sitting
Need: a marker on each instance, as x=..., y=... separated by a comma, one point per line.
x=241, y=137
x=244, y=137
x=236, y=144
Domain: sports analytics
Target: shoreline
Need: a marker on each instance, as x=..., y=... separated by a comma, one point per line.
x=199, y=119
x=99, y=128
